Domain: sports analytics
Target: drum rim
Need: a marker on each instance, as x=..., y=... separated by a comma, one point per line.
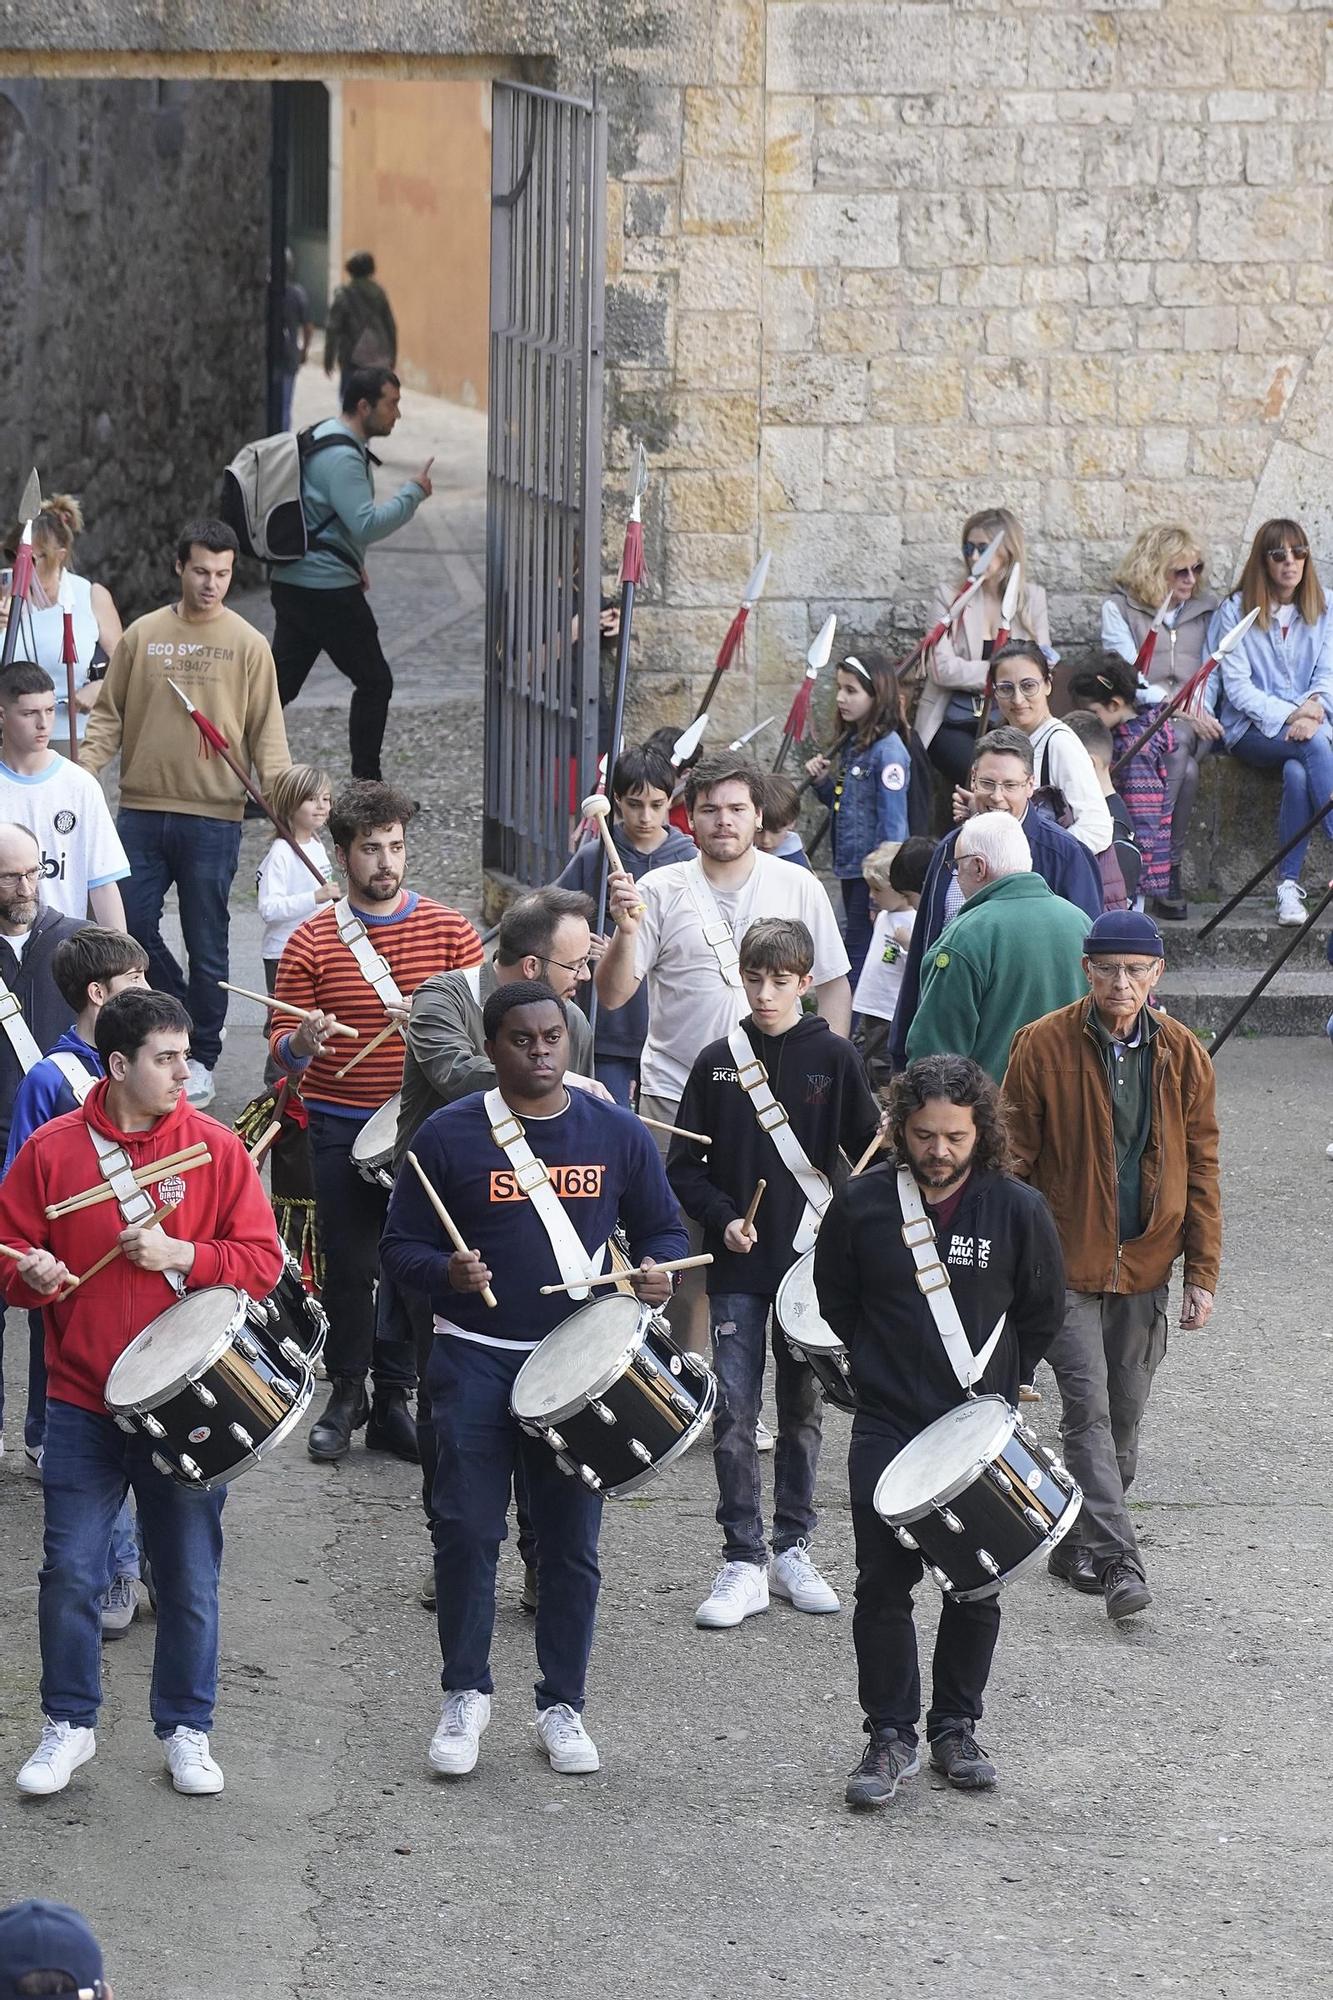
x=956, y=1486
x=600, y=1384
x=370, y=1159
x=223, y=1341
x=806, y=1257
x=682, y=1445
x=1059, y=1529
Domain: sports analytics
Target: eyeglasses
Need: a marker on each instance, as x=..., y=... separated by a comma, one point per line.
x=1188, y=569
x=971, y=550
x=1112, y=968
x=1006, y=690
x=21, y=875
x=579, y=965
x=988, y=787
x=1286, y=555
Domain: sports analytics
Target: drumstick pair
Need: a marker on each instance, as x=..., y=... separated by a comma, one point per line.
x=634, y=1271
x=116, y=1250
x=176, y=1163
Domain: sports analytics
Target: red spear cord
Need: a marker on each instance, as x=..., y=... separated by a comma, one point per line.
x=69, y=654
x=1186, y=694
x=213, y=739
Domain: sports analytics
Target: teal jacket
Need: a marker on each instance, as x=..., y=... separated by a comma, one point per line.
x=341, y=483
x=1013, y=953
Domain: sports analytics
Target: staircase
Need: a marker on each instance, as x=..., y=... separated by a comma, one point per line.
x=1207, y=978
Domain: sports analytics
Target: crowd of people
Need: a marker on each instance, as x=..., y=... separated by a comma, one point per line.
x=467, y=1144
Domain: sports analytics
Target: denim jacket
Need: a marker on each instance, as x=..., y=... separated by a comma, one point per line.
x=868, y=801
x=1266, y=676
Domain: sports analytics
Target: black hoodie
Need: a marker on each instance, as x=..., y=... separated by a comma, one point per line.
x=818, y=1080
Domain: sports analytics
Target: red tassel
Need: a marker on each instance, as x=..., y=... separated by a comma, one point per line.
x=1001, y=639
x=631, y=562
x=798, y=715
x=1190, y=696
x=69, y=652
x=211, y=736
x=22, y=581
x=731, y=644
x=1143, y=659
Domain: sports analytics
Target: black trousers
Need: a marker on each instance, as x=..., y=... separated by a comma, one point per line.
x=351, y=1214
x=341, y=624
x=416, y=1306
x=884, y=1634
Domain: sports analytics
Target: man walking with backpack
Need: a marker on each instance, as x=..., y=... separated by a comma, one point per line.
x=320, y=599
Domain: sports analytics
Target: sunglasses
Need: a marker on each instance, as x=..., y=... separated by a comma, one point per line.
x=1189, y=569
x=971, y=550
x=1286, y=555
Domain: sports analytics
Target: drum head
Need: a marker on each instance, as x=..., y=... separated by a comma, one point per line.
x=375, y=1140
x=578, y=1358
x=939, y=1463
x=175, y=1347
x=798, y=1308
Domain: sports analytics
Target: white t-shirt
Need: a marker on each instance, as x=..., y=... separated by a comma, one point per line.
x=881, y=978
x=689, y=1002
x=67, y=811
x=1060, y=759
x=287, y=891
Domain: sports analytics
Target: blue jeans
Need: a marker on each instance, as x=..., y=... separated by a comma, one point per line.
x=89, y=1466
x=480, y=1449
x=1307, y=780
x=620, y=1074
x=857, y=923
x=740, y=1321
x=199, y=855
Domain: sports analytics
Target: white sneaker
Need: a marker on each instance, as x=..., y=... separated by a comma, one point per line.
x=763, y=1437
x=192, y=1770
x=200, y=1089
x=32, y=1455
x=120, y=1606
x=1290, y=902
x=739, y=1590
x=566, y=1742
x=59, y=1754
x=792, y=1575
x=457, y=1739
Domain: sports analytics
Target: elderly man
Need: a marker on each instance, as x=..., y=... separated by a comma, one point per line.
x=1011, y=953
x=1002, y=781
x=1112, y=1116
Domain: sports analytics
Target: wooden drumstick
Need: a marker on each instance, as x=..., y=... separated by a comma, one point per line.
x=447, y=1222
x=747, y=1220
x=867, y=1156
x=700, y=1138
x=375, y=1042
x=265, y=1140
x=634, y=1271
x=285, y=1007
x=14, y=1256
x=598, y=808
x=175, y=1163
x=116, y=1250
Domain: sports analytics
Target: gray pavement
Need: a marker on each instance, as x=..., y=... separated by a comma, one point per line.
x=1162, y=1824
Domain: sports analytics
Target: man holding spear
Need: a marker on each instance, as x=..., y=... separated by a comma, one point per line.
x=180, y=807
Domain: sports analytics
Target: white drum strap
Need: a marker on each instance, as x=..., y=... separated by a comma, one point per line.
x=21, y=1038
x=773, y=1119
x=136, y=1205
x=79, y=1079
x=575, y=1263
x=933, y=1283
x=717, y=931
x=373, y=969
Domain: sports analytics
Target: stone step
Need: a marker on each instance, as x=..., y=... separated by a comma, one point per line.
x=1298, y=1002
x=1250, y=936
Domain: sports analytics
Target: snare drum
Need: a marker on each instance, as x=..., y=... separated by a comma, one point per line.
x=613, y=1395
x=372, y=1148
x=811, y=1338
x=293, y=1316
x=211, y=1385
x=980, y=1496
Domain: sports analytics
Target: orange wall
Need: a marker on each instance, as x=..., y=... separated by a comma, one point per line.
x=416, y=167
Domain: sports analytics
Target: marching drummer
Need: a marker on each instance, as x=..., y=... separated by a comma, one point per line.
x=780, y=1098
x=940, y=1272
x=534, y=1177
x=218, y=1231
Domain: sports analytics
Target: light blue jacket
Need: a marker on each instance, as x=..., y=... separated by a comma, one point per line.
x=341, y=483
x=1266, y=676
x=868, y=801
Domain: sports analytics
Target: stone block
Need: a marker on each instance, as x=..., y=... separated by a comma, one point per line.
x=1210, y=327
x=1082, y=510
x=1006, y=391
x=643, y=132
x=941, y=331
x=1095, y=107
x=858, y=465
x=1268, y=329
x=1082, y=388
x=1038, y=330
x=1105, y=330
x=1228, y=453
x=943, y=229
x=1160, y=329
x=815, y=388
x=1186, y=284
x=1242, y=225
x=1242, y=107
x=1270, y=156
x=722, y=274
x=835, y=555
x=708, y=569
x=682, y=428
x=718, y=350
x=649, y=209
x=861, y=143
x=1253, y=284
x=722, y=197
x=1163, y=43
x=979, y=156
x=981, y=285
x=841, y=46
x=1058, y=285
x=880, y=291
x=709, y=503
x=789, y=144
x=738, y=41
x=1081, y=223
x=1170, y=388
x=723, y=124
x=1122, y=158
x=1277, y=49
x=1096, y=451
x=615, y=230
x=1035, y=450
x=639, y=324
x=1119, y=283
x=990, y=56
x=1072, y=51
x=1018, y=228
x=1150, y=223
x=910, y=390
x=1050, y=159
x=857, y=230
x=1256, y=388
x=845, y=330
x=791, y=468
x=1164, y=452
x=942, y=451
x=789, y=311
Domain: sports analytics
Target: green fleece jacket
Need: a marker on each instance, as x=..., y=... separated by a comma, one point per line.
x=1012, y=954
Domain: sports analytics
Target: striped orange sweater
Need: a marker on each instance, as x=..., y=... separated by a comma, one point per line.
x=316, y=969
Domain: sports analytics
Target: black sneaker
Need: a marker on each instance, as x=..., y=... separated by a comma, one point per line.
x=1124, y=1589
x=888, y=1759
x=958, y=1755
x=1072, y=1563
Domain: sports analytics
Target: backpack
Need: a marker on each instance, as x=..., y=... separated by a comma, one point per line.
x=261, y=498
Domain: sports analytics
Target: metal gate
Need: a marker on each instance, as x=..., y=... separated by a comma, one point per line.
x=544, y=475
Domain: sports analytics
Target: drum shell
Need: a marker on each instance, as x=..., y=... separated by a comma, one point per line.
x=289, y=1313
x=811, y=1339
x=372, y=1155
x=830, y=1369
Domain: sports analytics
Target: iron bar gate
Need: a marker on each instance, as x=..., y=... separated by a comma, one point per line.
x=544, y=475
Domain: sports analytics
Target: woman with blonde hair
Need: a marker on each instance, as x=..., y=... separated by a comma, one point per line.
x=1277, y=687
x=1163, y=562
x=949, y=712
x=57, y=588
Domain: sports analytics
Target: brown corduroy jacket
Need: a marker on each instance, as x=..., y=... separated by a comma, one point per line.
x=1058, y=1100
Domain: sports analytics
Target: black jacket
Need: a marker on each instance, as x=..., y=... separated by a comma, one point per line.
x=1003, y=1256
x=29, y=980
x=818, y=1080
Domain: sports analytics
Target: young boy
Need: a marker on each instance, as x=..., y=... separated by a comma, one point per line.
x=1095, y=736
x=777, y=1060
x=83, y=861
x=896, y=873
x=87, y=969
x=781, y=809
x=641, y=792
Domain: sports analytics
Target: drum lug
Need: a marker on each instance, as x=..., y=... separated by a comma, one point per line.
x=242, y=1436
x=908, y=1541
x=553, y=1438
x=205, y=1395
x=999, y=1477
x=566, y=1465
x=589, y=1478
x=164, y=1465
x=291, y=1351
x=151, y=1425
x=988, y=1562
x=641, y=1451
x=189, y=1468
x=685, y=1404
x=246, y=1347
x=696, y=1365
x=600, y=1410
x=950, y=1519
x=941, y=1579
x=126, y=1423
x=282, y=1387
x=1034, y=1518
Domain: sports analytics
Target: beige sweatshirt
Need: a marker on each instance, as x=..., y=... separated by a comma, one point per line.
x=227, y=670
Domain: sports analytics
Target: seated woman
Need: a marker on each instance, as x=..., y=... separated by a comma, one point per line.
x=949, y=712
x=1162, y=562
x=1108, y=693
x=1022, y=687
x=1277, y=687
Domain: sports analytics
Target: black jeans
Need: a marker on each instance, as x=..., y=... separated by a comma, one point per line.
x=951, y=749
x=883, y=1632
x=351, y=1215
x=341, y=624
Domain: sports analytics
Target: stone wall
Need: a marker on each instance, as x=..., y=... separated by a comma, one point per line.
x=134, y=219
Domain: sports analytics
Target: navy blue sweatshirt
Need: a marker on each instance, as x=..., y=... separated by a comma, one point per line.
x=622, y=1031
x=603, y=1164
x=818, y=1080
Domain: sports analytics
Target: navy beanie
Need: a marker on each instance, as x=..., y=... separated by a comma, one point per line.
x=1124, y=930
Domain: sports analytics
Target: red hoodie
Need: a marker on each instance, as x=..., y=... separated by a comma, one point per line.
x=224, y=1213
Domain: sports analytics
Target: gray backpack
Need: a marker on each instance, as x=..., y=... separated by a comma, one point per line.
x=261, y=498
